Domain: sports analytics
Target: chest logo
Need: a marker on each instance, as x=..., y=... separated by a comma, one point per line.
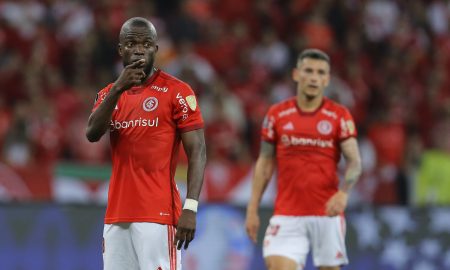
x=160, y=89
x=150, y=104
x=324, y=127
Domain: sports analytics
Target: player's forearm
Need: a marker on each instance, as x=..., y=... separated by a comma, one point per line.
x=100, y=119
x=352, y=174
x=196, y=167
x=262, y=175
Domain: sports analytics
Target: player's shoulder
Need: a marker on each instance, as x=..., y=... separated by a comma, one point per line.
x=106, y=88
x=333, y=106
x=284, y=108
x=173, y=81
x=103, y=92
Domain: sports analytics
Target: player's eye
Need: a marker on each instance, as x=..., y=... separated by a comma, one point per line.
x=129, y=44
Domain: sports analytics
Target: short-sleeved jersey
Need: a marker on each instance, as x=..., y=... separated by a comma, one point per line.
x=307, y=153
x=145, y=135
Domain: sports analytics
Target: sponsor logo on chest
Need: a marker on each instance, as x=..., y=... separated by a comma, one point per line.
x=133, y=123
x=292, y=140
x=160, y=89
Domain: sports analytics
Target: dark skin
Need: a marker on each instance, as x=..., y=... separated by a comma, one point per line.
x=138, y=48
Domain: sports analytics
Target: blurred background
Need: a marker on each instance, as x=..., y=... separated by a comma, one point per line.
x=390, y=67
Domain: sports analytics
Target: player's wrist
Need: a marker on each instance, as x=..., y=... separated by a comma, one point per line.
x=191, y=204
x=119, y=87
x=253, y=210
x=344, y=191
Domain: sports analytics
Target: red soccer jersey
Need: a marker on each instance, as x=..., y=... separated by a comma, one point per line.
x=145, y=137
x=307, y=153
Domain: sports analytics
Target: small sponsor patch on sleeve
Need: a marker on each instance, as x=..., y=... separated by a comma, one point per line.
x=192, y=102
x=350, y=127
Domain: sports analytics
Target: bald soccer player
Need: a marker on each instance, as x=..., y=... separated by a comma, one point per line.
x=147, y=114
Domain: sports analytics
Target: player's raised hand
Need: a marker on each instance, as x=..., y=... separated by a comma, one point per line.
x=252, y=225
x=185, y=229
x=337, y=203
x=131, y=75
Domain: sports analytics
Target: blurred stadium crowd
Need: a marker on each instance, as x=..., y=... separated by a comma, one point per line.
x=390, y=67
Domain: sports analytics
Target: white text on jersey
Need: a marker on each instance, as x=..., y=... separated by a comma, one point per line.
x=133, y=123
x=287, y=112
x=183, y=105
x=292, y=140
x=160, y=89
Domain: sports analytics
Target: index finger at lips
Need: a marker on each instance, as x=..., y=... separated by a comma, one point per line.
x=136, y=64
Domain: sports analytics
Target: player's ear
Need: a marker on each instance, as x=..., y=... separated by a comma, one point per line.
x=328, y=78
x=295, y=74
x=119, y=49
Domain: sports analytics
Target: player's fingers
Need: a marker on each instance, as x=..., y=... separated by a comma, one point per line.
x=189, y=238
x=136, y=82
x=177, y=237
x=252, y=233
x=181, y=239
x=253, y=236
x=180, y=244
x=330, y=211
x=334, y=211
x=136, y=64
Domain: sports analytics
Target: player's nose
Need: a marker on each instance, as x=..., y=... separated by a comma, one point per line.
x=139, y=49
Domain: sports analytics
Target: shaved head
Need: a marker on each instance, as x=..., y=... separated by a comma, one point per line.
x=138, y=22
x=137, y=42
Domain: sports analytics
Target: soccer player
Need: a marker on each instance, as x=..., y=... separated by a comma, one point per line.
x=303, y=137
x=147, y=113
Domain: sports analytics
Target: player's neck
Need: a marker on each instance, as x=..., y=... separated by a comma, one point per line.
x=308, y=104
x=149, y=75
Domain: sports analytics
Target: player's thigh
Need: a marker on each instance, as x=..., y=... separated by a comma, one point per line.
x=154, y=246
x=286, y=237
x=328, y=242
x=280, y=263
x=118, y=251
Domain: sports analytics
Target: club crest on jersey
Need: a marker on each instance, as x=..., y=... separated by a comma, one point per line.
x=192, y=102
x=324, y=127
x=150, y=104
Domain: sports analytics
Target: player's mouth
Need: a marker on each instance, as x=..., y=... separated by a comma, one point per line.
x=134, y=59
x=313, y=86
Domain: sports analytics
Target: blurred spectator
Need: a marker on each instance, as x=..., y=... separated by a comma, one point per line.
x=392, y=73
x=433, y=180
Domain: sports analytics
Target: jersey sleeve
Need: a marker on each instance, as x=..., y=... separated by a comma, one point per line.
x=268, y=131
x=186, y=112
x=347, y=127
x=101, y=95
